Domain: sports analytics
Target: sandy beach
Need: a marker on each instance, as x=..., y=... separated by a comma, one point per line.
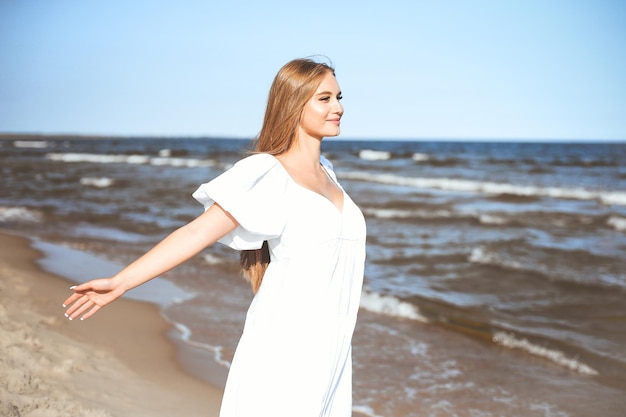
x=119, y=363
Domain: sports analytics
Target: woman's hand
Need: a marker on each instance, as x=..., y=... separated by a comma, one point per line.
x=91, y=296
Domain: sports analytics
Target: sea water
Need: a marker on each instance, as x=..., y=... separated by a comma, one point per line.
x=495, y=281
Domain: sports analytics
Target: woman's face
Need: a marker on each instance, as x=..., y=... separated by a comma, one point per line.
x=322, y=114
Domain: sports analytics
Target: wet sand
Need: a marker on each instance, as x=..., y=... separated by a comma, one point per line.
x=118, y=363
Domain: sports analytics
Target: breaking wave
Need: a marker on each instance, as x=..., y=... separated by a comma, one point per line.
x=102, y=182
x=423, y=214
x=509, y=340
x=390, y=306
x=485, y=257
x=383, y=213
x=131, y=159
x=372, y=155
x=617, y=223
x=420, y=157
x=19, y=215
x=212, y=259
x=489, y=188
x=364, y=410
x=31, y=144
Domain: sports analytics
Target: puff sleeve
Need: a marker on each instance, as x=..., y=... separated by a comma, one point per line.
x=253, y=192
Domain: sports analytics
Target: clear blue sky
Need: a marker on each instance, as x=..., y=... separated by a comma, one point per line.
x=409, y=69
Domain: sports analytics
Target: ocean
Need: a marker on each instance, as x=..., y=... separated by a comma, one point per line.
x=495, y=281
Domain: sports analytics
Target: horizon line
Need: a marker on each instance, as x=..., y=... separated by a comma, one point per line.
x=57, y=136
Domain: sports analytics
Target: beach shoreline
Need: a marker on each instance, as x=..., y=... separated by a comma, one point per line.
x=118, y=363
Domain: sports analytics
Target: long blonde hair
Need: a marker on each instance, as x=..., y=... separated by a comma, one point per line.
x=293, y=87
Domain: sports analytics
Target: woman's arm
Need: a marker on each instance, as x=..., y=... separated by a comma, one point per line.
x=172, y=251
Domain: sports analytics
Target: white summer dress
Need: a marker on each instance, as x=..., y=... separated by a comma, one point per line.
x=294, y=356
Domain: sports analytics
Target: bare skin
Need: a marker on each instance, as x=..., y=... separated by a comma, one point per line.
x=320, y=117
x=175, y=249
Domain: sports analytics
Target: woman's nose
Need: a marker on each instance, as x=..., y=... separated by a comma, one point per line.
x=338, y=109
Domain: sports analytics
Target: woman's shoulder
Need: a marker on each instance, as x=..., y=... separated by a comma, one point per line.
x=257, y=162
x=257, y=166
x=259, y=158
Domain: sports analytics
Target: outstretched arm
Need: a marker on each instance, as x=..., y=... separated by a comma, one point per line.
x=172, y=251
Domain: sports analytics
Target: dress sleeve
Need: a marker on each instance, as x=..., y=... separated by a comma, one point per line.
x=253, y=192
x=329, y=168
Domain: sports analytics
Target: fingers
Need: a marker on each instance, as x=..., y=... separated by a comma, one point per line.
x=89, y=285
x=78, y=292
x=91, y=312
x=83, y=307
x=90, y=297
x=80, y=304
x=71, y=299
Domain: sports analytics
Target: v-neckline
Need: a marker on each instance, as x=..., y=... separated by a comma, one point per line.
x=343, y=193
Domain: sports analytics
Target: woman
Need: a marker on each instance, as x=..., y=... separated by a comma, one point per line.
x=301, y=236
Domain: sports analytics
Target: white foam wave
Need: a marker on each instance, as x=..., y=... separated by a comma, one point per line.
x=490, y=188
x=492, y=219
x=420, y=157
x=381, y=213
x=36, y=144
x=131, y=159
x=617, y=198
x=509, y=340
x=19, y=215
x=390, y=306
x=407, y=214
x=372, y=155
x=98, y=159
x=365, y=410
x=212, y=259
x=185, y=335
x=485, y=257
x=617, y=223
x=102, y=182
x=182, y=162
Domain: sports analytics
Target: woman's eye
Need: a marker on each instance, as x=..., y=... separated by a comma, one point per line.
x=327, y=98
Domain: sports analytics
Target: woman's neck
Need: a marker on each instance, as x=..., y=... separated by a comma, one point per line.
x=305, y=153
